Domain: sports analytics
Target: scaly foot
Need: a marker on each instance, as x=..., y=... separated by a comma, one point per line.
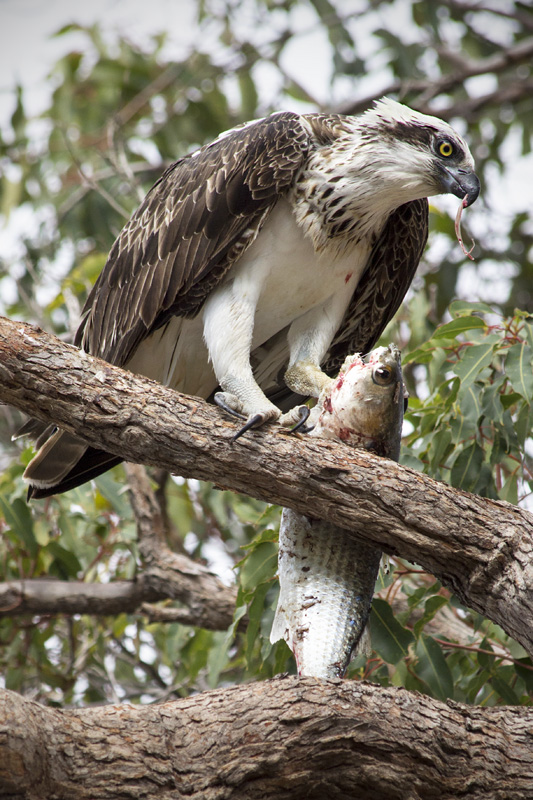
x=237, y=408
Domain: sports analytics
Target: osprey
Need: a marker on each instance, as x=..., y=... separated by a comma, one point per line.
x=257, y=263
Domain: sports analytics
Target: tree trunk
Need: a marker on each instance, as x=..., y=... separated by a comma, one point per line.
x=286, y=738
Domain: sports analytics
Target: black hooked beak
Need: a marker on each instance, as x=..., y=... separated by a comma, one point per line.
x=461, y=182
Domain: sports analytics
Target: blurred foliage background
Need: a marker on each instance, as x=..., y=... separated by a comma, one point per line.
x=118, y=114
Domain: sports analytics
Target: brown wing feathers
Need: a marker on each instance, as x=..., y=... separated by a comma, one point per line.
x=193, y=224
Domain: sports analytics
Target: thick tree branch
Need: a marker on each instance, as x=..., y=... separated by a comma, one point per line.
x=289, y=738
x=479, y=548
x=50, y=596
x=180, y=579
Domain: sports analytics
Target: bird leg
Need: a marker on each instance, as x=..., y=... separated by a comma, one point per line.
x=306, y=378
x=309, y=339
x=229, y=316
x=297, y=417
x=232, y=310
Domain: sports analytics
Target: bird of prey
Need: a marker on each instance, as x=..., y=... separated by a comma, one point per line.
x=257, y=263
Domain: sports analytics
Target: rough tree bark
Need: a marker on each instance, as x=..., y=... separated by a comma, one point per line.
x=481, y=549
x=283, y=738
x=287, y=739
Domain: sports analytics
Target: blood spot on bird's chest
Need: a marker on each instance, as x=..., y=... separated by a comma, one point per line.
x=285, y=256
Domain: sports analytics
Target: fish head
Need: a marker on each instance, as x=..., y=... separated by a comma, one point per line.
x=365, y=404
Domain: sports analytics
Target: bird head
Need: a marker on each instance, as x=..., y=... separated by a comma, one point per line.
x=419, y=152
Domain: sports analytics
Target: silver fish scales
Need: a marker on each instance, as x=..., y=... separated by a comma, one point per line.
x=327, y=578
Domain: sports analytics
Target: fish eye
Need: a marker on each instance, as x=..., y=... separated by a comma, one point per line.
x=382, y=375
x=445, y=148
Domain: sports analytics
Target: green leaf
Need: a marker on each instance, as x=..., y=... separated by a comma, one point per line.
x=217, y=659
x=422, y=355
x=462, y=428
x=416, y=596
x=195, y=653
x=68, y=28
x=464, y=307
x=433, y=669
x=440, y=448
x=486, y=660
x=115, y=494
x=255, y=613
x=509, y=490
x=452, y=329
x=470, y=401
x=525, y=673
x=519, y=368
x=472, y=360
x=465, y=469
x=18, y=516
x=65, y=563
x=259, y=566
x=389, y=639
x=492, y=400
x=432, y=605
x=502, y=687
x=527, y=332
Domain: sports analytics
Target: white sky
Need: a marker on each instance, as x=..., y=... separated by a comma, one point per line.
x=27, y=52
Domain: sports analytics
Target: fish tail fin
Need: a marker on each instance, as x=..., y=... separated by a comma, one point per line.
x=280, y=624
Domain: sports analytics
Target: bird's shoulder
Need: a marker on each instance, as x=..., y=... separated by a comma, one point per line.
x=193, y=224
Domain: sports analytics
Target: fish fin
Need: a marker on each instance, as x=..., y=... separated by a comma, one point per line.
x=280, y=625
x=364, y=645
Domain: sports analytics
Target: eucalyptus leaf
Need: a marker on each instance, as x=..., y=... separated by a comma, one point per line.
x=472, y=360
x=433, y=669
x=18, y=516
x=466, y=467
x=519, y=368
x=259, y=566
x=451, y=330
x=390, y=639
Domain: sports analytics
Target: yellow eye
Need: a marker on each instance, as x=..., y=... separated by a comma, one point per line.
x=445, y=149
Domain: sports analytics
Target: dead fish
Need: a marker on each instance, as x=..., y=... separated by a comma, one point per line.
x=327, y=578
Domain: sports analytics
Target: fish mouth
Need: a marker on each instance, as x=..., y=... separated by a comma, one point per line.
x=463, y=183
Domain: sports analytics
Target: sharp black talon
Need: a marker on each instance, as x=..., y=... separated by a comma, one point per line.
x=224, y=406
x=304, y=416
x=255, y=420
